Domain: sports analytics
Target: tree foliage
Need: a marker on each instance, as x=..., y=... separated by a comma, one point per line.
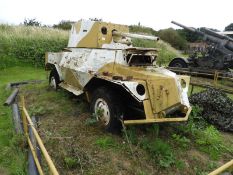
x=189, y=36
x=31, y=22
x=170, y=35
x=64, y=25
x=229, y=27
x=174, y=38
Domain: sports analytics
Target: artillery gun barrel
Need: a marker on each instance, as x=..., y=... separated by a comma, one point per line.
x=227, y=41
x=131, y=35
x=185, y=27
x=210, y=32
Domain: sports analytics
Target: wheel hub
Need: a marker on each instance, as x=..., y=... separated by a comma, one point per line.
x=102, y=111
x=53, y=83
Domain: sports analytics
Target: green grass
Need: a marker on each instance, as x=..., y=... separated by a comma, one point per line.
x=204, y=136
x=210, y=142
x=165, y=145
x=142, y=30
x=28, y=44
x=71, y=162
x=168, y=150
x=106, y=142
x=12, y=157
x=182, y=141
x=160, y=151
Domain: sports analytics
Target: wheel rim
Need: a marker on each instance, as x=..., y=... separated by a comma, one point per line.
x=102, y=111
x=178, y=65
x=53, y=83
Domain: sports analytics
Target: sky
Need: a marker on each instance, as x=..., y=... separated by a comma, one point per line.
x=157, y=14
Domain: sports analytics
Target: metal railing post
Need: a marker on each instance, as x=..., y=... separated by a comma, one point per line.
x=25, y=124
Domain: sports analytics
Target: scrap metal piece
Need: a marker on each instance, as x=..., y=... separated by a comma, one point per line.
x=11, y=98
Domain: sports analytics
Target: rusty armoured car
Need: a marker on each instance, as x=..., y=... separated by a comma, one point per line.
x=118, y=79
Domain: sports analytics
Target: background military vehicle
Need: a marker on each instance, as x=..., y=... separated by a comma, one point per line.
x=121, y=82
x=219, y=55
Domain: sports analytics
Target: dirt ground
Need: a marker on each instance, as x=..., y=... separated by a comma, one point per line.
x=78, y=145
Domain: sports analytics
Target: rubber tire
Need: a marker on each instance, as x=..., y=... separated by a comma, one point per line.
x=54, y=74
x=178, y=61
x=115, y=107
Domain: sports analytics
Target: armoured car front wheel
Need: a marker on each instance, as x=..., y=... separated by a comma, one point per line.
x=107, y=109
x=54, y=79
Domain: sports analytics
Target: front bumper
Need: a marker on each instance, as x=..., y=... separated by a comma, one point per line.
x=150, y=119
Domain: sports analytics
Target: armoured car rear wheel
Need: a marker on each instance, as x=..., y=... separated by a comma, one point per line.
x=107, y=109
x=54, y=79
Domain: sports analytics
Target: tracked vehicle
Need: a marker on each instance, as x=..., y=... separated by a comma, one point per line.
x=122, y=83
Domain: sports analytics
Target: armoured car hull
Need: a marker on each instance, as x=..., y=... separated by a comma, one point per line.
x=140, y=91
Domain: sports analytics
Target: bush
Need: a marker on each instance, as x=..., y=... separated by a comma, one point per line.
x=28, y=44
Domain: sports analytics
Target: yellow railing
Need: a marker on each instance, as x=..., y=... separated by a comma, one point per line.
x=27, y=122
x=227, y=166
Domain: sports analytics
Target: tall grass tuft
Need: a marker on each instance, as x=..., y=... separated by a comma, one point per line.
x=165, y=51
x=27, y=44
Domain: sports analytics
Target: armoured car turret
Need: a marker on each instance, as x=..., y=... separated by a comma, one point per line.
x=122, y=83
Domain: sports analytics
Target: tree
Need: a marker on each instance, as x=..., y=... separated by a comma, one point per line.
x=229, y=27
x=189, y=36
x=64, y=25
x=174, y=38
x=95, y=19
x=31, y=22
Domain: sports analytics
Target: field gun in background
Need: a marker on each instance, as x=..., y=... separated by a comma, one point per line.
x=218, y=56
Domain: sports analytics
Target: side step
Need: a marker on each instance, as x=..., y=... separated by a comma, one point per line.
x=70, y=88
